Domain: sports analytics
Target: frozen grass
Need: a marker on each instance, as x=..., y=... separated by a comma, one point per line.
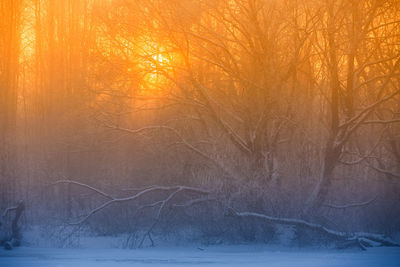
x=209, y=256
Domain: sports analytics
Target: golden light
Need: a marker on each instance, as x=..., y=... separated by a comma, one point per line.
x=157, y=66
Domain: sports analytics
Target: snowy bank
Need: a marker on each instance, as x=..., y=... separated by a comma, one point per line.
x=243, y=255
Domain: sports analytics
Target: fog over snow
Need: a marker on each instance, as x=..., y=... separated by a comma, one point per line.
x=200, y=132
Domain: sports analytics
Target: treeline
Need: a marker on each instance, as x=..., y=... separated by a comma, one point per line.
x=284, y=108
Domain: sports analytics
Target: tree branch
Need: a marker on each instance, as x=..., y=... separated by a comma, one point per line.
x=113, y=200
x=352, y=205
x=357, y=236
x=85, y=186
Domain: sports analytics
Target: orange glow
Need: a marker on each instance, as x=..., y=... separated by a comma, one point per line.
x=155, y=67
x=280, y=106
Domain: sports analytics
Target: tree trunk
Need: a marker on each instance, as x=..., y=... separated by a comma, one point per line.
x=321, y=190
x=14, y=240
x=9, y=56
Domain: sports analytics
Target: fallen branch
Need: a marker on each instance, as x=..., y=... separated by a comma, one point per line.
x=113, y=200
x=358, y=237
x=352, y=205
x=174, y=190
x=83, y=185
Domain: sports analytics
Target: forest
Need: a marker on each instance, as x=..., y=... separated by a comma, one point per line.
x=212, y=121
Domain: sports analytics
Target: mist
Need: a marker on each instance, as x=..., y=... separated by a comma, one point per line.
x=205, y=122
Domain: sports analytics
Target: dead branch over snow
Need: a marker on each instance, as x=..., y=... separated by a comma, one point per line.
x=83, y=185
x=174, y=191
x=361, y=239
x=351, y=205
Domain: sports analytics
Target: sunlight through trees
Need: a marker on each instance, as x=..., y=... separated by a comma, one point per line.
x=280, y=107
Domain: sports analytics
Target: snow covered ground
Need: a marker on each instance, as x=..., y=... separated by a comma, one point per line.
x=208, y=256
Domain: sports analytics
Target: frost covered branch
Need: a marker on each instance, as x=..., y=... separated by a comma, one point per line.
x=83, y=185
x=112, y=200
x=362, y=239
x=352, y=205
